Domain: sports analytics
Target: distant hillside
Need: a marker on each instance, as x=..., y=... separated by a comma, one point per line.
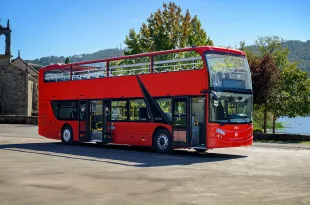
x=107, y=53
x=299, y=51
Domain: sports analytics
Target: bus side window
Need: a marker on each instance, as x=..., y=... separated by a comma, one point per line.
x=119, y=110
x=138, y=110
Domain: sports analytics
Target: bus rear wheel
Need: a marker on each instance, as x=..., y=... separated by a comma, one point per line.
x=67, y=134
x=162, y=142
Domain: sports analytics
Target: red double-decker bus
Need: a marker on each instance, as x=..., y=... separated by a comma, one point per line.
x=198, y=97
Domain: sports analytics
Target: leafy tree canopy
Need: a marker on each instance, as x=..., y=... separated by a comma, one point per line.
x=67, y=60
x=167, y=29
x=293, y=93
x=278, y=84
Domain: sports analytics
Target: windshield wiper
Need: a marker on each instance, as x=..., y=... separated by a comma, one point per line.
x=230, y=122
x=223, y=123
x=248, y=122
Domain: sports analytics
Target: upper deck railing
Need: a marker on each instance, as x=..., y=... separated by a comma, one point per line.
x=169, y=61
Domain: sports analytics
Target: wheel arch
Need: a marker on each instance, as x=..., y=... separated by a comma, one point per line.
x=159, y=128
x=62, y=129
x=62, y=132
x=66, y=124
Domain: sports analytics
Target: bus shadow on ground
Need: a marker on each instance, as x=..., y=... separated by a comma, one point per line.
x=117, y=154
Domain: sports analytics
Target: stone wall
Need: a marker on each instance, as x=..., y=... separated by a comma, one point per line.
x=34, y=108
x=29, y=100
x=24, y=66
x=282, y=137
x=18, y=119
x=4, y=60
x=20, y=64
x=32, y=96
x=13, y=90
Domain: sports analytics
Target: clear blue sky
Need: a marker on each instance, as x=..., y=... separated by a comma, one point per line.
x=44, y=28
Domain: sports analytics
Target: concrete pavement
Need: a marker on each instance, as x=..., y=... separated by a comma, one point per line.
x=35, y=170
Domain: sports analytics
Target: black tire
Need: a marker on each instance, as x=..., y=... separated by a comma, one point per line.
x=200, y=151
x=162, y=141
x=67, y=134
x=101, y=143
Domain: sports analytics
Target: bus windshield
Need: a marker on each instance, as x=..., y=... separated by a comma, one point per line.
x=231, y=108
x=229, y=71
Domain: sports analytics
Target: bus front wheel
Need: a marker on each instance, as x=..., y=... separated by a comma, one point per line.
x=162, y=141
x=67, y=134
x=200, y=151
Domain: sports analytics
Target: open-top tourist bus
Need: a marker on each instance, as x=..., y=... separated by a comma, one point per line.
x=198, y=97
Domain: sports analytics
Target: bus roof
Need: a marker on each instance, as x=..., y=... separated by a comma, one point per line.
x=194, y=48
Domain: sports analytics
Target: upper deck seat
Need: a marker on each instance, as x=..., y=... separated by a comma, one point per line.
x=66, y=78
x=83, y=77
x=101, y=74
x=76, y=77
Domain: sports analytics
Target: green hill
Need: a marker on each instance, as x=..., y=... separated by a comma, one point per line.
x=106, y=53
x=299, y=51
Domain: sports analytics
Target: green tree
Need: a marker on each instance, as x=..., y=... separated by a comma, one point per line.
x=67, y=61
x=266, y=60
x=272, y=45
x=265, y=78
x=292, y=96
x=278, y=85
x=167, y=29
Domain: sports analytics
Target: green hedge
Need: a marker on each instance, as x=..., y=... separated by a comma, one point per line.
x=258, y=130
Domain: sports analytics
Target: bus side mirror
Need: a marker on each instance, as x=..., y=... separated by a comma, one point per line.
x=214, y=96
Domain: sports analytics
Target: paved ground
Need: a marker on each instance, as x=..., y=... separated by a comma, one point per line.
x=35, y=170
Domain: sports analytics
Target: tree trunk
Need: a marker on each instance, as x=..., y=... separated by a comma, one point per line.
x=265, y=118
x=274, y=124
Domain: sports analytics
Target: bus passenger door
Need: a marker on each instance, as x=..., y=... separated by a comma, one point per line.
x=107, y=121
x=180, y=122
x=83, y=114
x=198, y=123
x=96, y=120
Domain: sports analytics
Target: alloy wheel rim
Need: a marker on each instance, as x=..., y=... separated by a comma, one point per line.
x=67, y=135
x=163, y=141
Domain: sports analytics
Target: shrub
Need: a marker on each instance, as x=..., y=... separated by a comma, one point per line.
x=258, y=131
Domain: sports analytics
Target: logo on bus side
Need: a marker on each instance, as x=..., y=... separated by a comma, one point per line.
x=236, y=134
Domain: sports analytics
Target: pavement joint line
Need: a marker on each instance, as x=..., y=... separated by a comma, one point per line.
x=73, y=156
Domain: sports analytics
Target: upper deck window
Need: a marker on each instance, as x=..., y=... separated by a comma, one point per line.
x=178, y=61
x=57, y=75
x=80, y=72
x=89, y=71
x=229, y=71
x=132, y=66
